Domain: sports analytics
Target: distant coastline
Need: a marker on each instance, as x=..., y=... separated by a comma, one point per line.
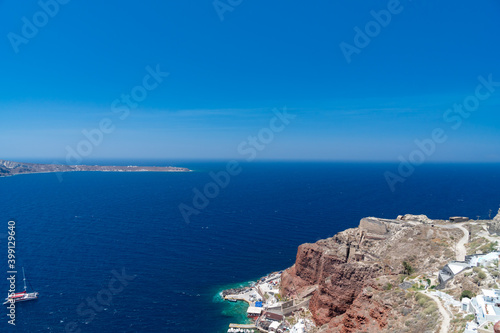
x=11, y=168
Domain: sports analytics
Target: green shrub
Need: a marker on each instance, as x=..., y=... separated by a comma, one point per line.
x=407, y=269
x=422, y=301
x=468, y=294
x=490, y=247
x=469, y=317
x=430, y=309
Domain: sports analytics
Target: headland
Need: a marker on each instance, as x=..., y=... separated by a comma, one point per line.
x=10, y=168
x=408, y=274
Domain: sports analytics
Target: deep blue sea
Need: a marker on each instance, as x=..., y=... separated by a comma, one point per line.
x=72, y=235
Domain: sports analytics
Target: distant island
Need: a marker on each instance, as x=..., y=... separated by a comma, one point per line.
x=10, y=168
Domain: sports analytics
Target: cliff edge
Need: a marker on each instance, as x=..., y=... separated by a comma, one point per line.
x=350, y=277
x=494, y=225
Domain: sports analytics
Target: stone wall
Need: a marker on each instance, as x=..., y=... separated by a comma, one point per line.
x=373, y=225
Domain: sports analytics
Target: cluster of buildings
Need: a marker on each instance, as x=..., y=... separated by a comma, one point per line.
x=454, y=267
x=268, y=315
x=266, y=308
x=485, y=307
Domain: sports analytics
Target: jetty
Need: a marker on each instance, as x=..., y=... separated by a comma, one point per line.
x=243, y=326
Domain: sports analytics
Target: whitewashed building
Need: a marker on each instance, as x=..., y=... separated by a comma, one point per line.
x=486, y=307
x=274, y=326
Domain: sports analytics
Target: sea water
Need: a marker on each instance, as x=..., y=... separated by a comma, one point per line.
x=112, y=252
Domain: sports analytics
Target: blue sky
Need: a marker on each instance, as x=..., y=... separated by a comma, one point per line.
x=226, y=76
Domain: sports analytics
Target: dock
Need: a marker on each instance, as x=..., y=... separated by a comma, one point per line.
x=242, y=326
x=246, y=297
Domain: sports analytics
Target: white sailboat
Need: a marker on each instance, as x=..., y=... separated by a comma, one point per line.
x=22, y=296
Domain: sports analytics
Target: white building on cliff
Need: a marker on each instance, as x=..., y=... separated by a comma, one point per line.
x=485, y=307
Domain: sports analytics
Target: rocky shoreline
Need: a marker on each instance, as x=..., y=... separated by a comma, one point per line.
x=234, y=291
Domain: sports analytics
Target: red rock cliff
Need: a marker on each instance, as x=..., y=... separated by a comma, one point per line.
x=341, y=273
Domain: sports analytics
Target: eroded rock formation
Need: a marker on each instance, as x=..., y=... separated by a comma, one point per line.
x=494, y=225
x=344, y=273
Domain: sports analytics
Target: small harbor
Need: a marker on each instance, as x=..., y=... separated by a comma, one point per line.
x=268, y=311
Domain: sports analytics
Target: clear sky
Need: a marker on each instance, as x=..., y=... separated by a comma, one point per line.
x=228, y=68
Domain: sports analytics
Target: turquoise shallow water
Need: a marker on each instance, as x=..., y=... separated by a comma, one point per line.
x=72, y=235
x=233, y=311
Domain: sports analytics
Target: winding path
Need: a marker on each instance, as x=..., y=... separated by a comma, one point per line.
x=461, y=250
x=445, y=325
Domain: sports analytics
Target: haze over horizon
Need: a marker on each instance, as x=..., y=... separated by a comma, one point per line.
x=229, y=81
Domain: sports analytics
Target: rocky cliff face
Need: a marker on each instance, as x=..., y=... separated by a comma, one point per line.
x=494, y=225
x=348, y=273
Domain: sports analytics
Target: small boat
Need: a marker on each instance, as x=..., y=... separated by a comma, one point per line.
x=22, y=296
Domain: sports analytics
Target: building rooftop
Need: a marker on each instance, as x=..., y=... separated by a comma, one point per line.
x=491, y=293
x=274, y=325
x=254, y=310
x=457, y=267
